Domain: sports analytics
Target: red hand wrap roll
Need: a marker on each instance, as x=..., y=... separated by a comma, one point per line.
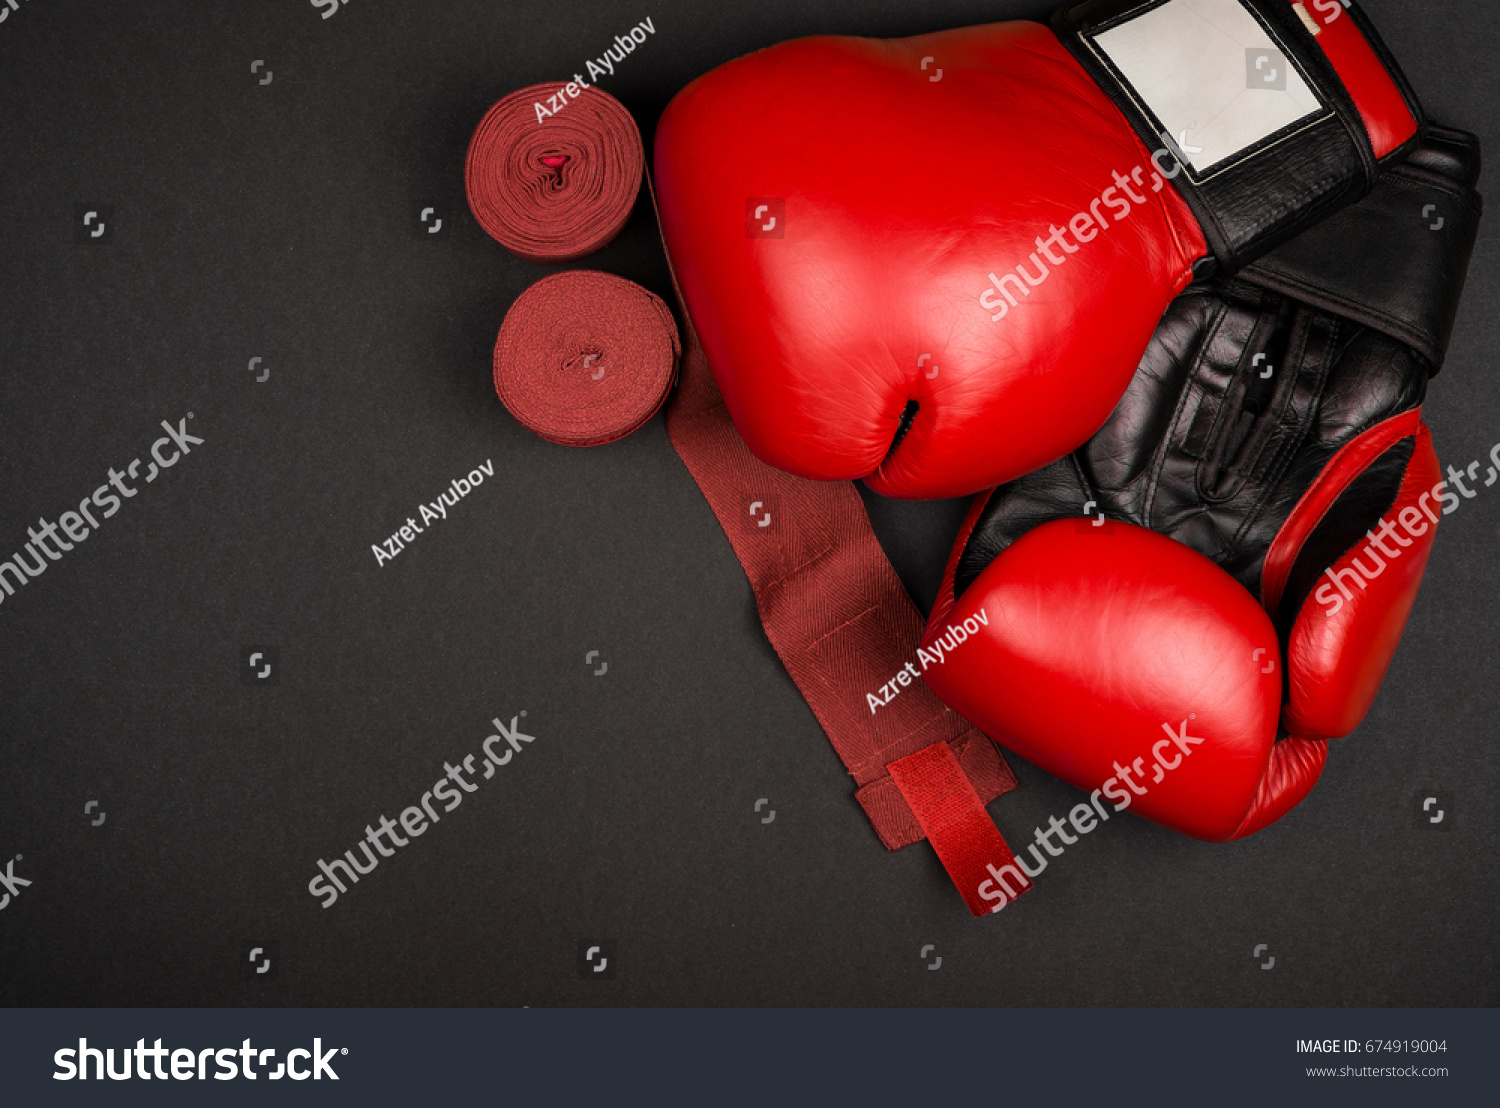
x=554, y=190
x=585, y=358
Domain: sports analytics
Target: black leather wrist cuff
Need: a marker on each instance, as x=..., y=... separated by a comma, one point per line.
x=1396, y=261
x=1280, y=144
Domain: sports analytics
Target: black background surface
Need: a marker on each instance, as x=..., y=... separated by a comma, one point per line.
x=279, y=221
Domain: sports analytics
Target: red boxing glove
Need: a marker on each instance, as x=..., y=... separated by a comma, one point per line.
x=934, y=262
x=1271, y=496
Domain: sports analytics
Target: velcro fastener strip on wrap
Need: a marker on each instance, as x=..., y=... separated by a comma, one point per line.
x=949, y=810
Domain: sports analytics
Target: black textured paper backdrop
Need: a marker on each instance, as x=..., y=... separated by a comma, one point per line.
x=279, y=221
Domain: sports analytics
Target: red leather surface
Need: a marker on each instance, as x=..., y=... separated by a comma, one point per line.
x=1093, y=643
x=902, y=194
x=1387, y=119
x=1337, y=475
x=945, y=598
x=1337, y=662
x=1296, y=765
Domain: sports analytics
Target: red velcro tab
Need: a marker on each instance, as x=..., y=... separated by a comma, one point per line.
x=960, y=830
x=1387, y=118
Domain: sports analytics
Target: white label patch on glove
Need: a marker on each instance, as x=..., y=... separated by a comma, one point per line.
x=1213, y=77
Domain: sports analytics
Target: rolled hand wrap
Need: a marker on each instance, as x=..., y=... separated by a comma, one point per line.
x=559, y=189
x=585, y=358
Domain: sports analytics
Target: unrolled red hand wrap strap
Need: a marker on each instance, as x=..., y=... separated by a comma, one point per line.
x=832, y=606
x=585, y=358
x=554, y=190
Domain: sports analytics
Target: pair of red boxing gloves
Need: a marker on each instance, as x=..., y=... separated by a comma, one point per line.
x=1169, y=278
